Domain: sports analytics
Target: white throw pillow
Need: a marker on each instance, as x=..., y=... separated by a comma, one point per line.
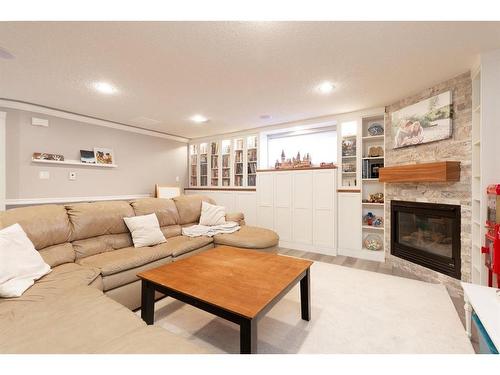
x=212, y=214
x=145, y=230
x=20, y=263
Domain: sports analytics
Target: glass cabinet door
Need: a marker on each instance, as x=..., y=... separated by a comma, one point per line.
x=214, y=164
x=226, y=162
x=238, y=162
x=251, y=160
x=203, y=164
x=193, y=167
x=349, y=132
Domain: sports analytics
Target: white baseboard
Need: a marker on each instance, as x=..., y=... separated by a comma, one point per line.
x=308, y=247
x=378, y=256
x=34, y=201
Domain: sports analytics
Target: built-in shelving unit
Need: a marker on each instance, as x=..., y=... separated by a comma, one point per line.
x=478, y=270
x=348, y=153
x=204, y=164
x=224, y=162
x=372, y=159
x=74, y=163
x=193, y=165
x=214, y=163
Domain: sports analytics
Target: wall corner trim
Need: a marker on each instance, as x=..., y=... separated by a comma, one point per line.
x=30, y=107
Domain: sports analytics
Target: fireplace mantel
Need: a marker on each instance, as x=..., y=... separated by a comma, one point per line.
x=444, y=171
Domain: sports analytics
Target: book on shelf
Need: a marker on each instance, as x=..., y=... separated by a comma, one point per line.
x=214, y=148
x=225, y=161
x=238, y=180
x=203, y=169
x=239, y=144
x=251, y=180
x=238, y=169
x=252, y=168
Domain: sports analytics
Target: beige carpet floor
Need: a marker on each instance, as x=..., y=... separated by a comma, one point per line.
x=353, y=311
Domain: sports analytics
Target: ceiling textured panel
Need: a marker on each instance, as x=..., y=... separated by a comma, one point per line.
x=231, y=72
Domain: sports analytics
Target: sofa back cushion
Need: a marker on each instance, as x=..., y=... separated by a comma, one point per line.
x=165, y=210
x=58, y=254
x=189, y=207
x=101, y=244
x=45, y=225
x=98, y=218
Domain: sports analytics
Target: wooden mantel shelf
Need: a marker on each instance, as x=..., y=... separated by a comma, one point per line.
x=444, y=171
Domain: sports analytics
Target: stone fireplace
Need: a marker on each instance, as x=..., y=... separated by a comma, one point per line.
x=427, y=234
x=455, y=193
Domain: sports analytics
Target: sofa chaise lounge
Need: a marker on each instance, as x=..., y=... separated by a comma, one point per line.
x=83, y=305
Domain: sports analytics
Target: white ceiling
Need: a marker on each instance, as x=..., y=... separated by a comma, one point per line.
x=231, y=72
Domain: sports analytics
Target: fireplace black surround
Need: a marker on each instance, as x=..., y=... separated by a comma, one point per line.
x=427, y=234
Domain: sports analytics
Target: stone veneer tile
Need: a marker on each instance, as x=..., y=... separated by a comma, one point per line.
x=457, y=148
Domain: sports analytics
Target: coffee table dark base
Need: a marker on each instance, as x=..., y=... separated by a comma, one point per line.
x=248, y=326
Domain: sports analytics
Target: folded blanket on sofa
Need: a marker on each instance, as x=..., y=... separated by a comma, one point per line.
x=205, y=230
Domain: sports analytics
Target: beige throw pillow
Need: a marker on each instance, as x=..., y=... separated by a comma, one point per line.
x=145, y=230
x=20, y=263
x=212, y=214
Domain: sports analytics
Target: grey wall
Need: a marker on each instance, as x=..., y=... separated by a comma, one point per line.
x=142, y=160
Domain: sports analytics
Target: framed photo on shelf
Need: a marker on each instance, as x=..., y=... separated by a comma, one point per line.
x=47, y=156
x=87, y=156
x=374, y=169
x=103, y=155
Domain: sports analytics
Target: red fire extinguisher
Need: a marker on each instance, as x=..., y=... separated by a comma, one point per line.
x=491, y=250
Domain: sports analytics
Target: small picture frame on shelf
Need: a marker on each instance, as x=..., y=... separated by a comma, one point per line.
x=374, y=169
x=103, y=155
x=349, y=147
x=47, y=156
x=87, y=156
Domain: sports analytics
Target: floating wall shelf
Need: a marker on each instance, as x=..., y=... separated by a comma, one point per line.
x=74, y=162
x=426, y=172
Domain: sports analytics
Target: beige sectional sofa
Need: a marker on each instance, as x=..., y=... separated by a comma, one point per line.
x=93, y=260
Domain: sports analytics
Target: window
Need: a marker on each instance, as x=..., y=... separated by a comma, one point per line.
x=321, y=146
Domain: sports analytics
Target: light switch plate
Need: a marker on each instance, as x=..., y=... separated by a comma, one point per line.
x=72, y=176
x=39, y=122
x=43, y=175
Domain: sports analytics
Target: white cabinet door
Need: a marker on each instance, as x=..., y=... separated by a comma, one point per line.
x=283, y=205
x=246, y=202
x=265, y=200
x=302, y=219
x=349, y=221
x=324, y=208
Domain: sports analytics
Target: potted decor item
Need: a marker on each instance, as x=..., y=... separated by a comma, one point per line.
x=375, y=129
x=373, y=242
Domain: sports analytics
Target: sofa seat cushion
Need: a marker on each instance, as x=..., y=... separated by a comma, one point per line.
x=248, y=237
x=83, y=321
x=115, y=261
x=61, y=279
x=119, y=279
x=180, y=245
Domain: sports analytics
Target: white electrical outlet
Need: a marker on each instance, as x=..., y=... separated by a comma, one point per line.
x=43, y=175
x=72, y=176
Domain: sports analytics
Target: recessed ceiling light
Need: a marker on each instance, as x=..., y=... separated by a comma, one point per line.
x=199, y=119
x=4, y=54
x=265, y=117
x=105, y=88
x=326, y=87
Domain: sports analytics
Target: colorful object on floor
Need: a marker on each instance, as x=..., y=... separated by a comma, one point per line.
x=486, y=345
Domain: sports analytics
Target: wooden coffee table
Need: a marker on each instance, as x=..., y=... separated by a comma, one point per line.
x=239, y=285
